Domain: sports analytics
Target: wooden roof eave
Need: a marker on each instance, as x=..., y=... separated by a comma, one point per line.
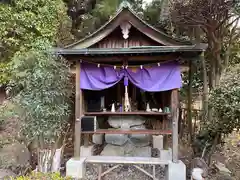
x=132, y=50
x=126, y=14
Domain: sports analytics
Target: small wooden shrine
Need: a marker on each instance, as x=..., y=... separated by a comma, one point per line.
x=128, y=67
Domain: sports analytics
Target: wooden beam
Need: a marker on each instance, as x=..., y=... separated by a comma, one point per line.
x=142, y=113
x=175, y=114
x=182, y=69
x=78, y=111
x=119, y=59
x=113, y=131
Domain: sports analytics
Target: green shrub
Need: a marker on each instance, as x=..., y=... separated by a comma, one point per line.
x=224, y=102
x=41, y=176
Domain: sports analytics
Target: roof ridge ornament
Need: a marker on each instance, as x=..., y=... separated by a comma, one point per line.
x=125, y=4
x=125, y=26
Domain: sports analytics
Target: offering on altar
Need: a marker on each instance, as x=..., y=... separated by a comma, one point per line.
x=167, y=110
x=148, y=108
x=154, y=110
x=113, y=107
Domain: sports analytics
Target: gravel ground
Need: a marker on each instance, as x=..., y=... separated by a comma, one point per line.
x=123, y=173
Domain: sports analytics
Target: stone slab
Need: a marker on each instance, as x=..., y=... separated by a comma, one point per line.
x=118, y=121
x=76, y=168
x=126, y=150
x=116, y=139
x=112, y=150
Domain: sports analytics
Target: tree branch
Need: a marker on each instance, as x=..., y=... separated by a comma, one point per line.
x=231, y=38
x=234, y=21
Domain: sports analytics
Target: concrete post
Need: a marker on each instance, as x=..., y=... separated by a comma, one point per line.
x=176, y=171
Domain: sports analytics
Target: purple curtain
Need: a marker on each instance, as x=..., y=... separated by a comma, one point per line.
x=98, y=78
x=157, y=78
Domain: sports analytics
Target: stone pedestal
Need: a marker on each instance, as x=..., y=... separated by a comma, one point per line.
x=76, y=168
x=86, y=151
x=158, y=142
x=97, y=138
x=176, y=171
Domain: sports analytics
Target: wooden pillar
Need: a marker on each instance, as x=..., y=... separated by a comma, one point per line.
x=86, y=137
x=190, y=84
x=175, y=114
x=78, y=111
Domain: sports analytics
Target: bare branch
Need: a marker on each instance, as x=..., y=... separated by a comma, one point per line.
x=233, y=21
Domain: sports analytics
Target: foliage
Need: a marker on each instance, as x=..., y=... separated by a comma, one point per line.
x=4, y=74
x=235, y=53
x=8, y=124
x=213, y=21
x=41, y=176
x=225, y=103
x=152, y=13
x=3, y=114
x=103, y=10
x=24, y=21
x=13, y=166
x=197, y=83
x=42, y=90
x=89, y=15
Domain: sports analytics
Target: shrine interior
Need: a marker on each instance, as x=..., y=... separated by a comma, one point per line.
x=102, y=100
x=97, y=101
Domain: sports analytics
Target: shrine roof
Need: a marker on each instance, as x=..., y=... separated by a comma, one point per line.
x=126, y=14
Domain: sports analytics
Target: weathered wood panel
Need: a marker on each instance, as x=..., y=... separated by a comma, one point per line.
x=116, y=40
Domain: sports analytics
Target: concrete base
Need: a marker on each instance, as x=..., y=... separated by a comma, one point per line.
x=176, y=171
x=86, y=151
x=76, y=168
x=166, y=154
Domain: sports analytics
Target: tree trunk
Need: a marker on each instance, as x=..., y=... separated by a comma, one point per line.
x=49, y=160
x=49, y=157
x=205, y=88
x=56, y=162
